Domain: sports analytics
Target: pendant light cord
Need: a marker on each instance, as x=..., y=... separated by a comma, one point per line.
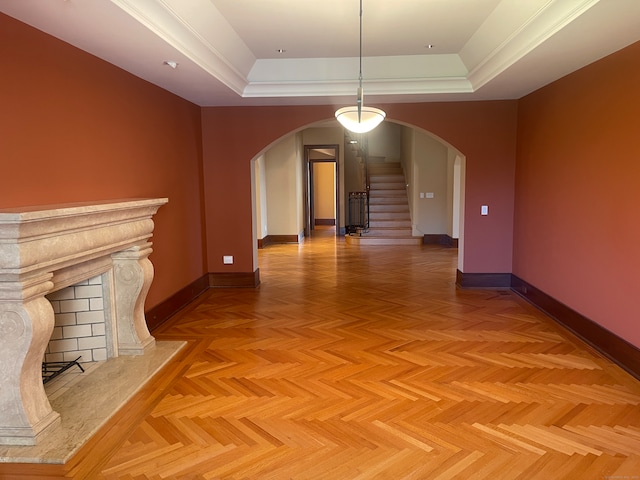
x=360, y=77
x=360, y=93
x=359, y=119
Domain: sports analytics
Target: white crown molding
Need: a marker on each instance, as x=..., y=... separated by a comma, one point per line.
x=182, y=27
x=521, y=45
x=497, y=45
x=318, y=77
x=347, y=68
x=391, y=86
x=543, y=23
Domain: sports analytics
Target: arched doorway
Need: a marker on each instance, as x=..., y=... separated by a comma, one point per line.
x=435, y=172
x=482, y=132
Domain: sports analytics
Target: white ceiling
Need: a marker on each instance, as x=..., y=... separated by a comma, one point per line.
x=227, y=50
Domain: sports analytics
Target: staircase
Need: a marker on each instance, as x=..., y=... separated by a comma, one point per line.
x=389, y=216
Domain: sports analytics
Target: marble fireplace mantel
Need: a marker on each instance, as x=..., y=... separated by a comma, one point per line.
x=44, y=249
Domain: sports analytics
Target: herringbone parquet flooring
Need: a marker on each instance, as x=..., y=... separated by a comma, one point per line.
x=367, y=362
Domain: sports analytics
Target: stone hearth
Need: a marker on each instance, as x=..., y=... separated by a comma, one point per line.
x=89, y=401
x=44, y=249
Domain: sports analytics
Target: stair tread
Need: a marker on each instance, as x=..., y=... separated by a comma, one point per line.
x=389, y=213
x=384, y=241
x=400, y=234
x=390, y=193
x=383, y=228
x=390, y=223
x=365, y=235
x=404, y=215
x=386, y=178
x=382, y=207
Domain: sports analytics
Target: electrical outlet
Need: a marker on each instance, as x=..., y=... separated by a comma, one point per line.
x=227, y=259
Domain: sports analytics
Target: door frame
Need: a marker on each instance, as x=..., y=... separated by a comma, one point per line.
x=308, y=184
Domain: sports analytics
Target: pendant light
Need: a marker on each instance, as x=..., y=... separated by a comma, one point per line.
x=358, y=118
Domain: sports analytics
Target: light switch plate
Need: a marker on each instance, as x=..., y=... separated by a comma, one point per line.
x=484, y=210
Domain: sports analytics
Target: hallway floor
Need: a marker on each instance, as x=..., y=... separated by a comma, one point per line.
x=368, y=363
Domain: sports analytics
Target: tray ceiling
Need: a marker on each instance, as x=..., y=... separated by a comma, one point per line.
x=277, y=52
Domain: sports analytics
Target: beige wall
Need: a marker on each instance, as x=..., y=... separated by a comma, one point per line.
x=406, y=160
x=455, y=194
x=430, y=215
x=260, y=185
x=282, y=185
x=324, y=201
x=386, y=142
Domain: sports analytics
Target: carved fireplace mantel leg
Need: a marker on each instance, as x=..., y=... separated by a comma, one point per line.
x=26, y=324
x=133, y=274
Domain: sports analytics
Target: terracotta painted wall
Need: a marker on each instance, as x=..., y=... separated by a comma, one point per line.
x=74, y=128
x=232, y=137
x=577, y=229
x=483, y=131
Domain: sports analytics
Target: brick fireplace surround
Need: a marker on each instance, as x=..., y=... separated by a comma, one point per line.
x=42, y=251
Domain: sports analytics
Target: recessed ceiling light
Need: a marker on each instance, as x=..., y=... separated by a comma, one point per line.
x=171, y=63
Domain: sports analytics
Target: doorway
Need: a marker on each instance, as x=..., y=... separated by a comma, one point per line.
x=322, y=198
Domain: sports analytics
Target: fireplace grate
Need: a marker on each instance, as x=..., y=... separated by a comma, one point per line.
x=51, y=370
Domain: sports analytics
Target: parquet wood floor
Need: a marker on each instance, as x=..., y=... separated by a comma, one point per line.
x=368, y=363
